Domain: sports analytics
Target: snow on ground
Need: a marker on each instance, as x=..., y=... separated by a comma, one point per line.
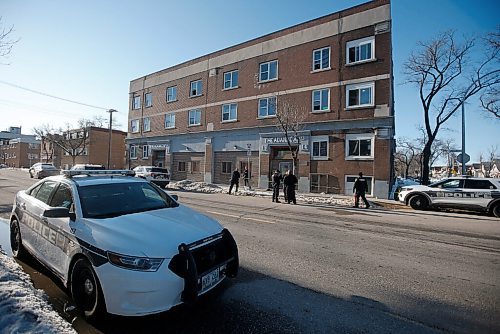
x=24, y=309
x=327, y=199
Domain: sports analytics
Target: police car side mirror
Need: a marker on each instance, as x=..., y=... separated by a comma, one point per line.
x=58, y=212
x=175, y=197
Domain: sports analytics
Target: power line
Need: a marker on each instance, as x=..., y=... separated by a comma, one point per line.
x=52, y=96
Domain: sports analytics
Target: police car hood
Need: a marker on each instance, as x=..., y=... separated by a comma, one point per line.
x=156, y=233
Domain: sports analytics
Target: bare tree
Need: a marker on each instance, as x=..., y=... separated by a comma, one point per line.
x=44, y=132
x=491, y=97
x=491, y=159
x=290, y=121
x=406, y=156
x=446, y=80
x=6, y=41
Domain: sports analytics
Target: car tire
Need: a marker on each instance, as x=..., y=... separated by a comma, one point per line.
x=418, y=202
x=31, y=175
x=495, y=210
x=16, y=243
x=86, y=290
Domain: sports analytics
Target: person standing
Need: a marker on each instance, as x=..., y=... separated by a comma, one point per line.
x=359, y=189
x=276, y=185
x=245, y=178
x=235, y=181
x=289, y=182
x=284, y=186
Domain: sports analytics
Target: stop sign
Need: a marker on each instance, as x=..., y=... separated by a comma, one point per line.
x=463, y=160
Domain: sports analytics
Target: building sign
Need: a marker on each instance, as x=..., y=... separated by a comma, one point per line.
x=160, y=147
x=280, y=140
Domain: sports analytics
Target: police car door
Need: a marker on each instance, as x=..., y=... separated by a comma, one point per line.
x=478, y=192
x=450, y=193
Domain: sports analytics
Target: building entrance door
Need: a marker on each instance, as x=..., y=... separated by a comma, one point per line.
x=158, y=158
x=284, y=166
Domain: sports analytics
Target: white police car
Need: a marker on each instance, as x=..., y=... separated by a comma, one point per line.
x=466, y=193
x=119, y=243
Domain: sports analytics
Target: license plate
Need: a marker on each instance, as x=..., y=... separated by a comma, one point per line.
x=160, y=177
x=210, y=279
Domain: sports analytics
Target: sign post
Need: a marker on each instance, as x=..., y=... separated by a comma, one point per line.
x=249, y=154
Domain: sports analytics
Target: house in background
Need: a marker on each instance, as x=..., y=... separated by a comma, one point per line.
x=18, y=150
x=203, y=118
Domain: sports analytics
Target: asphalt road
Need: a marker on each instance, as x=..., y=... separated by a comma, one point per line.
x=324, y=269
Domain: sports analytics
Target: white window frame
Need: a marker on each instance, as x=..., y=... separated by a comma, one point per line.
x=198, y=83
x=231, y=81
x=133, y=152
x=359, y=87
x=146, y=124
x=268, y=64
x=359, y=137
x=321, y=92
x=226, y=110
x=172, y=120
x=145, y=151
x=136, y=102
x=172, y=94
x=135, y=125
x=356, y=44
x=320, y=139
x=148, y=100
x=268, y=99
x=198, y=112
x=320, y=51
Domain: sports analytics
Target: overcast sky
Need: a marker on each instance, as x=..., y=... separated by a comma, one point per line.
x=89, y=51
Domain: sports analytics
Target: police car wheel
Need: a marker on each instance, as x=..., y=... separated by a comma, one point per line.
x=418, y=202
x=85, y=289
x=16, y=243
x=496, y=210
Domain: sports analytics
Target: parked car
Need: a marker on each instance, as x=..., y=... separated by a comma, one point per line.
x=120, y=244
x=157, y=175
x=399, y=184
x=41, y=170
x=466, y=193
x=87, y=167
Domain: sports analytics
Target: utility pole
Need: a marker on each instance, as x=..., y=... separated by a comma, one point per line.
x=111, y=111
x=464, y=171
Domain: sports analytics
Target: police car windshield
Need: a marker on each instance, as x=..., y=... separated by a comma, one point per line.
x=117, y=199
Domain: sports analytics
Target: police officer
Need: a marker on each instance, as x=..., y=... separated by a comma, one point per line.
x=289, y=181
x=276, y=185
x=235, y=181
x=359, y=189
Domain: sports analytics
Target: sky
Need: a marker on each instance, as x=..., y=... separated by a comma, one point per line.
x=89, y=51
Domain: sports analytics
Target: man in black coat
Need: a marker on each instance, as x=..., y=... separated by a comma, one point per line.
x=276, y=178
x=289, y=181
x=359, y=189
x=235, y=181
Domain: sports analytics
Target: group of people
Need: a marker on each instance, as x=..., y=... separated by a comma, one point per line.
x=289, y=182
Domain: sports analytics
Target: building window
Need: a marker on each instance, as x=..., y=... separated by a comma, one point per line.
x=145, y=151
x=229, y=112
x=268, y=71
x=134, y=126
x=319, y=147
x=146, y=124
x=267, y=107
x=195, y=88
x=321, y=100
x=226, y=167
x=231, y=79
x=149, y=99
x=321, y=59
x=195, y=166
x=359, y=146
x=136, y=103
x=181, y=166
x=170, y=121
x=361, y=50
x=360, y=95
x=194, y=117
x=133, y=152
x=172, y=94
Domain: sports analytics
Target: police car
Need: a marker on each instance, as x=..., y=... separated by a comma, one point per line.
x=119, y=243
x=466, y=193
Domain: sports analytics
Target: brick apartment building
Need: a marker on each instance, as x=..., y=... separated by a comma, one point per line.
x=18, y=150
x=94, y=150
x=207, y=116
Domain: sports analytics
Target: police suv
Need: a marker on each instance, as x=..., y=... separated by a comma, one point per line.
x=119, y=243
x=466, y=193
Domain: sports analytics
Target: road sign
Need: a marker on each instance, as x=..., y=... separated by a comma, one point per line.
x=466, y=158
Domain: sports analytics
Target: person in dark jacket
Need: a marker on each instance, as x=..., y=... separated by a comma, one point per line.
x=246, y=178
x=289, y=182
x=284, y=186
x=235, y=181
x=276, y=185
x=359, y=189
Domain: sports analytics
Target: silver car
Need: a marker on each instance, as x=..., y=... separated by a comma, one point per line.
x=41, y=170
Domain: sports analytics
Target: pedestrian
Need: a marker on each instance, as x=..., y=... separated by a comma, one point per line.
x=235, y=181
x=284, y=186
x=359, y=189
x=277, y=178
x=289, y=182
x=245, y=178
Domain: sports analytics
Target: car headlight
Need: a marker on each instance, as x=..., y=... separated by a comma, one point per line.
x=134, y=262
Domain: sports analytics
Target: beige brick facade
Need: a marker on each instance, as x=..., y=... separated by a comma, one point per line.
x=338, y=141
